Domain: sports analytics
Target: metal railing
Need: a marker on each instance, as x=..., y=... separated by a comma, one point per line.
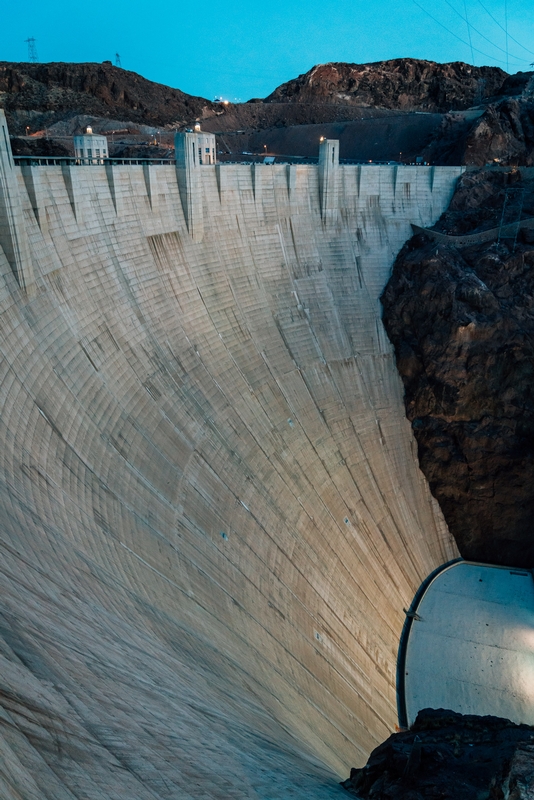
x=46, y=161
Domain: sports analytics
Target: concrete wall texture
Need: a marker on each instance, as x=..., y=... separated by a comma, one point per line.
x=211, y=511
x=470, y=648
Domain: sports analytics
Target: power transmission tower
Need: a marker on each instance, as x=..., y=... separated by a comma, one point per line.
x=32, y=50
x=117, y=60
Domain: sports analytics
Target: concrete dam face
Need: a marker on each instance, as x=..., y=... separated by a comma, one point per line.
x=211, y=510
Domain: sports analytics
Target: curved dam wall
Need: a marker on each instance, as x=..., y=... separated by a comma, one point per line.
x=211, y=511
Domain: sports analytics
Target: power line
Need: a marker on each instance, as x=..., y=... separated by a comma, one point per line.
x=496, y=21
x=32, y=50
x=468, y=32
x=482, y=53
x=506, y=31
x=478, y=32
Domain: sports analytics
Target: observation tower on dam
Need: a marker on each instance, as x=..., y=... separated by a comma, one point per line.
x=211, y=512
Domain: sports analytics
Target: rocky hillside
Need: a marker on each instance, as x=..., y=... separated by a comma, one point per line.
x=448, y=756
x=41, y=94
x=500, y=131
x=504, y=133
x=64, y=98
x=461, y=317
x=403, y=83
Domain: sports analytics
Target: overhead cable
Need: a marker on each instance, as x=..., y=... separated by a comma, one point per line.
x=496, y=21
x=468, y=30
x=487, y=55
x=506, y=30
x=469, y=26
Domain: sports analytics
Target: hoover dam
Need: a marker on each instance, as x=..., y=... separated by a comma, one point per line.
x=211, y=511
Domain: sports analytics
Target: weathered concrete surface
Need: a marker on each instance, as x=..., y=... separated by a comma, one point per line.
x=211, y=510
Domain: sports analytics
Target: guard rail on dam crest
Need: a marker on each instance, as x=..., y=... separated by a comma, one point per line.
x=212, y=514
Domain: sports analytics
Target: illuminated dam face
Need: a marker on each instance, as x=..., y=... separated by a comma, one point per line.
x=211, y=511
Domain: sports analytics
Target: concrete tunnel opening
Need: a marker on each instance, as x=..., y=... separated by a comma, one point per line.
x=474, y=652
x=212, y=511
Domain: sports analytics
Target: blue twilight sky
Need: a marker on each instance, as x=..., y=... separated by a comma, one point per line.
x=241, y=50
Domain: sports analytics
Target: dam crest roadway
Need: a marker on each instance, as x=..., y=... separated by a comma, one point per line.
x=212, y=514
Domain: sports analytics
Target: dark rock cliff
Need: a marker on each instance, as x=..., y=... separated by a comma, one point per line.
x=40, y=94
x=461, y=319
x=450, y=756
x=403, y=83
x=504, y=133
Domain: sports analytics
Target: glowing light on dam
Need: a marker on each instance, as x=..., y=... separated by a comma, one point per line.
x=211, y=511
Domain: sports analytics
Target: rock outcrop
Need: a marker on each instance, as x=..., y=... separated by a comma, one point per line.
x=141, y=151
x=449, y=756
x=403, y=83
x=38, y=95
x=517, y=84
x=503, y=134
x=462, y=323
x=24, y=146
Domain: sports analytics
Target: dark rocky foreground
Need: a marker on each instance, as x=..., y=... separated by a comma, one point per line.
x=448, y=756
x=462, y=323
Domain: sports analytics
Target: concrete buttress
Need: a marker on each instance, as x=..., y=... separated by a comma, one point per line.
x=13, y=234
x=329, y=178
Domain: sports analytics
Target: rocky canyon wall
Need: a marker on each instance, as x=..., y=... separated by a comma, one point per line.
x=458, y=308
